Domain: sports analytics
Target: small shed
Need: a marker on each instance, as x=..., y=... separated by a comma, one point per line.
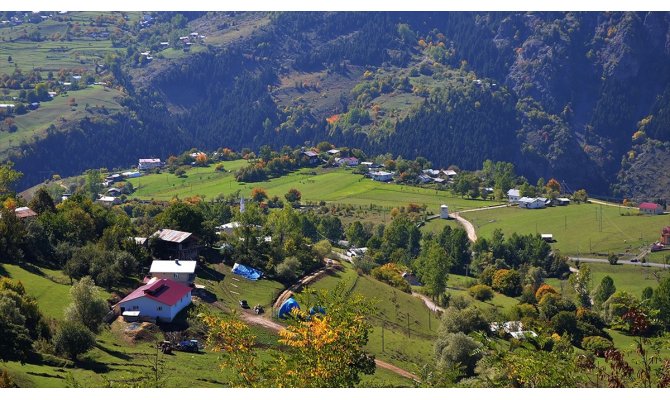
x=547, y=237
x=444, y=211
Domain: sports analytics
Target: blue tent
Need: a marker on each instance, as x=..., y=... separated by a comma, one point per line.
x=286, y=307
x=247, y=272
x=317, y=310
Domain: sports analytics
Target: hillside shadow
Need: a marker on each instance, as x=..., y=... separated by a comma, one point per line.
x=114, y=353
x=32, y=269
x=3, y=271
x=92, y=365
x=210, y=274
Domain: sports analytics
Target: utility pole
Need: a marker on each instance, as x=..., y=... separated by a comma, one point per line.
x=408, y=333
x=383, y=336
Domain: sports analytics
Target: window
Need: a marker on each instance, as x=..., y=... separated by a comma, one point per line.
x=135, y=308
x=176, y=276
x=160, y=308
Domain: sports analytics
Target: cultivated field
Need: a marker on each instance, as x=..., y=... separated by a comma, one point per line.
x=576, y=228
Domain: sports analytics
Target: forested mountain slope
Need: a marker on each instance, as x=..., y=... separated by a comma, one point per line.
x=582, y=97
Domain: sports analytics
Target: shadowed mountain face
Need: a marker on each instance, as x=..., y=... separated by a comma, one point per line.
x=582, y=97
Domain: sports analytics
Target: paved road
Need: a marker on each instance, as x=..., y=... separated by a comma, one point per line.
x=604, y=260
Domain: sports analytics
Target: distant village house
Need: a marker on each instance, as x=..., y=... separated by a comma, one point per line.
x=159, y=299
x=651, y=208
x=149, y=163
x=181, y=271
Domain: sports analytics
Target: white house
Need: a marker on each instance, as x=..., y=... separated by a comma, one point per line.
x=563, y=201
x=348, y=161
x=444, y=211
x=108, y=201
x=424, y=178
x=177, y=270
x=161, y=299
x=149, y=163
x=382, y=176
x=531, y=202
x=228, y=228
x=513, y=195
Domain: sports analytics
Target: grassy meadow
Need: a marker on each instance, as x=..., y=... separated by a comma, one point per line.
x=335, y=185
x=576, y=228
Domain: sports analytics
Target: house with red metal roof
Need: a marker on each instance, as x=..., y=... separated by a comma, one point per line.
x=159, y=299
x=651, y=208
x=25, y=213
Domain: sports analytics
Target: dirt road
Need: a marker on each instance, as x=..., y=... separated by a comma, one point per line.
x=428, y=302
x=467, y=225
x=331, y=265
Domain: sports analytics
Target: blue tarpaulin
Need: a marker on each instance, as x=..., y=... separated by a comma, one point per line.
x=285, y=309
x=247, y=272
x=317, y=310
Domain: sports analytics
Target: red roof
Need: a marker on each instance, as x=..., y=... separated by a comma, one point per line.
x=164, y=291
x=25, y=212
x=649, y=206
x=170, y=235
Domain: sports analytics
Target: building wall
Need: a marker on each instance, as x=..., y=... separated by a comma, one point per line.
x=175, y=276
x=154, y=309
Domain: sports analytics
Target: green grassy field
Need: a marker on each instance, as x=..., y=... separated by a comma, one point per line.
x=48, y=55
x=575, y=228
x=51, y=294
x=437, y=225
x=57, y=111
x=230, y=288
x=630, y=278
x=330, y=185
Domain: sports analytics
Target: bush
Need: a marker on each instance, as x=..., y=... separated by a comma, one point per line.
x=287, y=271
x=598, y=345
x=73, y=339
x=466, y=320
x=507, y=281
x=542, y=290
x=481, y=292
x=391, y=274
x=613, y=259
x=455, y=350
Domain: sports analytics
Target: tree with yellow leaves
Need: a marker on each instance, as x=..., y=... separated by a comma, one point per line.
x=321, y=350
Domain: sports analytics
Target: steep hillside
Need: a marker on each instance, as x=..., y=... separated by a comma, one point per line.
x=559, y=94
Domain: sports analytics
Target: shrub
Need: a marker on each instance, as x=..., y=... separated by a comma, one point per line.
x=219, y=167
x=455, y=350
x=598, y=345
x=391, y=274
x=287, y=271
x=507, y=281
x=72, y=339
x=481, y=292
x=466, y=320
x=564, y=322
x=542, y=290
x=613, y=259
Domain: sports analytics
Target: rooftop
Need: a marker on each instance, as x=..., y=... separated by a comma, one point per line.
x=170, y=235
x=24, y=212
x=164, y=291
x=169, y=266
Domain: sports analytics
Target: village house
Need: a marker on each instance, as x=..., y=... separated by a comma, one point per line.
x=159, y=299
x=431, y=172
x=333, y=152
x=25, y=213
x=178, y=244
x=562, y=201
x=149, y=163
x=651, y=208
x=108, y=201
x=312, y=157
x=513, y=195
x=114, y=192
x=532, y=202
x=382, y=176
x=449, y=173
x=348, y=161
x=177, y=270
x=424, y=178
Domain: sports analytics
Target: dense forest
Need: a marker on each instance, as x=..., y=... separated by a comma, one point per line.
x=566, y=94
